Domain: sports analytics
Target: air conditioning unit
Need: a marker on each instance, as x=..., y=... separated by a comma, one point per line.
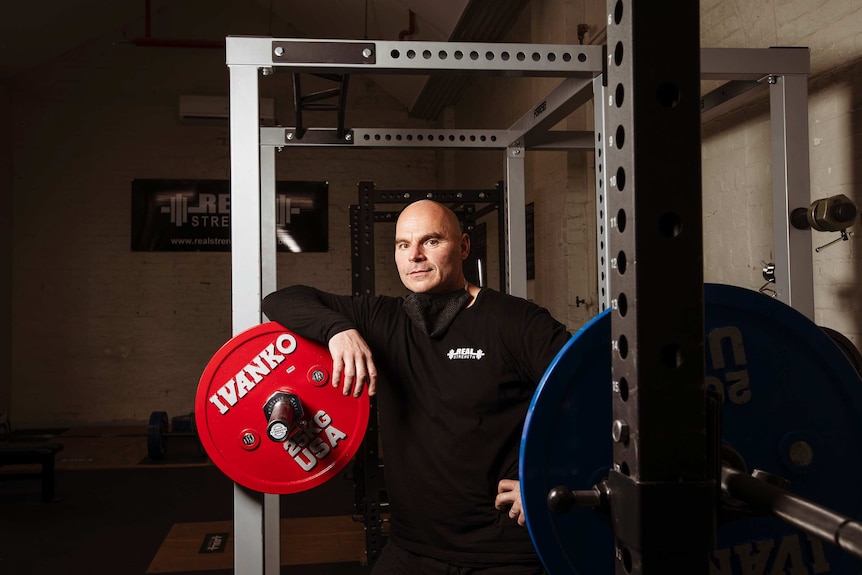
x=216, y=109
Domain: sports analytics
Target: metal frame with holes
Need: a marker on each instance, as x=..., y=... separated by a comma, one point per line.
x=583, y=69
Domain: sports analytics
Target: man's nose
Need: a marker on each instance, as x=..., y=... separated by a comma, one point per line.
x=416, y=254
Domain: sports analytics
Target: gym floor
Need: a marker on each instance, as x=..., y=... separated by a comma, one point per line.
x=115, y=511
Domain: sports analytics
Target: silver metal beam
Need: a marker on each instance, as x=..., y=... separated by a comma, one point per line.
x=600, y=141
x=752, y=63
x=726, y=93
x=433, y=138
x=570, y=95
x=381, y=57
x=268, y=248
x=562, y=141
x=245, y=199
x=387, y=138
x=254, y=539
x=514, y=202
x=547, y=60
x=791, y=188
x=412, y=138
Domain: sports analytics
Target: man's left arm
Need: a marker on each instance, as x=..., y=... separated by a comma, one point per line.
x=541, y=339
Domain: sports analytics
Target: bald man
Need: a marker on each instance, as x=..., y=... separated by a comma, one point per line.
x=458, y=366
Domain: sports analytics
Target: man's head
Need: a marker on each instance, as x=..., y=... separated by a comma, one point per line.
x=430, y=248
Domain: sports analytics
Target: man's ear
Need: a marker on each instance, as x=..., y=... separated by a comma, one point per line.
x=465, y=246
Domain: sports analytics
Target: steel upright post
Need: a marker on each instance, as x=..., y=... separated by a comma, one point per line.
x=515, y=210
x=791, y=188
x=255, y=544
x=600, y=93
x=662, y=493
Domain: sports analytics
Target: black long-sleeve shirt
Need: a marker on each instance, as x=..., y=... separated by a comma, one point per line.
x=451, y=411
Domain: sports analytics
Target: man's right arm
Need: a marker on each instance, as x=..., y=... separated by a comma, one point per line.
x=311, y=313
x=327, y=319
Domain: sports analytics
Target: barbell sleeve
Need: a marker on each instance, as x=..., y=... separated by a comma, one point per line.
x=765, y=497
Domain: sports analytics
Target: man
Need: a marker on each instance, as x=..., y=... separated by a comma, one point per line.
x=458, y=368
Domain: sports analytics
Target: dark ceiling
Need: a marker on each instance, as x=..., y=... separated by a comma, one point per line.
x=39, y=32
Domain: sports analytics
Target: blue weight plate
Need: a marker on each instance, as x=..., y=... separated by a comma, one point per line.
x=792, y=406
x=566, y=441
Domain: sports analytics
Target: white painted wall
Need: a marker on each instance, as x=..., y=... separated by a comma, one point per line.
x=736, y=156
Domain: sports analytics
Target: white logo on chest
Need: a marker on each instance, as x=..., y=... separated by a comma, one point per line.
x=465, y=353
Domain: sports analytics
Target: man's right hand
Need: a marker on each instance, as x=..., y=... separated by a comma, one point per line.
x=352, y=357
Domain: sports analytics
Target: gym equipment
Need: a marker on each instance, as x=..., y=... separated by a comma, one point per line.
x=832, y=214
x=791, y=406
x=160, y=429
x=269, y=415
x=253, y=166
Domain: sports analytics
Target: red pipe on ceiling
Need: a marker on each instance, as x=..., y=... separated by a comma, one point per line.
x=411, y=26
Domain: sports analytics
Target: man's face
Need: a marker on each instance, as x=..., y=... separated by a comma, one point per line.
x=429, y=249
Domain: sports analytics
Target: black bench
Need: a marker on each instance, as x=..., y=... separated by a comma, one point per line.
x=30, y=453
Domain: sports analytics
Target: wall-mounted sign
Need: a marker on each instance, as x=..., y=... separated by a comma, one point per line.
x=194, y=216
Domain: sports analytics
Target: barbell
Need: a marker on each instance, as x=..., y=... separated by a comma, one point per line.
x=791, y=411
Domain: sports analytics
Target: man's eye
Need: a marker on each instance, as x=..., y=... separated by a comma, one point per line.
x=432, y=242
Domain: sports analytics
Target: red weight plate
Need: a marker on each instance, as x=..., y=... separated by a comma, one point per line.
x=232, y=407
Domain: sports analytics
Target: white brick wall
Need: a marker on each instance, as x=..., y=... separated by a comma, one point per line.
x=737, y=175
x=103, y=334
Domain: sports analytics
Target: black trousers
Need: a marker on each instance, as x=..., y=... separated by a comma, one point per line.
x=394, y=560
